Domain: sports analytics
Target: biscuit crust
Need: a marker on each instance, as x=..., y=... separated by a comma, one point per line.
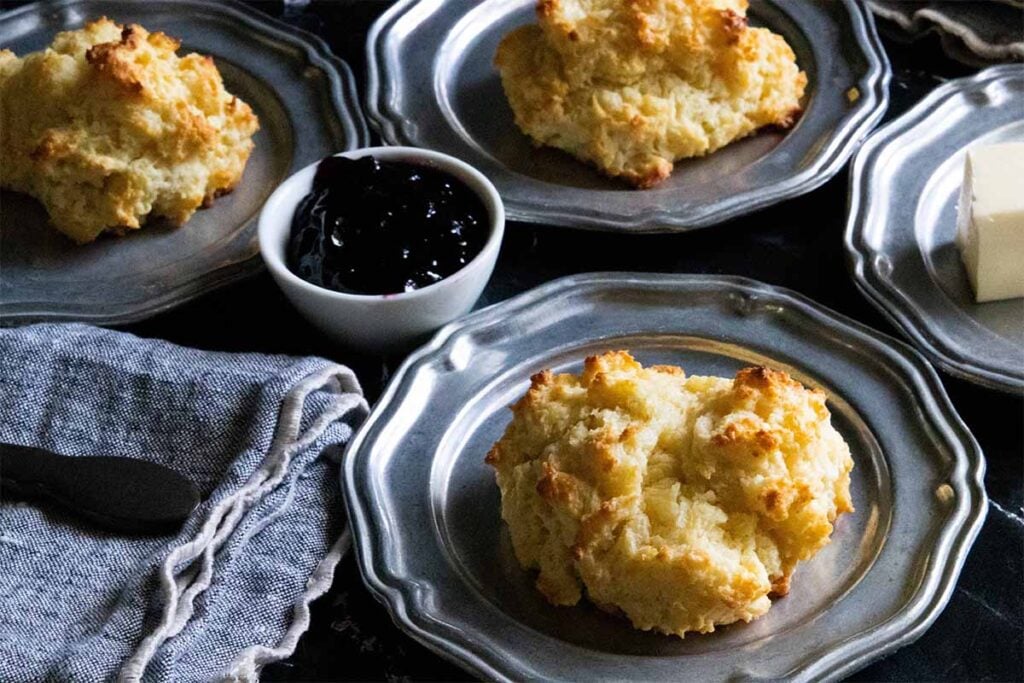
x=108, y=126
x=681, y=502
x=632, y=86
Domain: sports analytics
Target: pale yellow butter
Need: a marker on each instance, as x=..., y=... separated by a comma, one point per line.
x=990, y=230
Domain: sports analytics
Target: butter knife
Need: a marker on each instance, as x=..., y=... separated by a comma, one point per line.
x=115, y=493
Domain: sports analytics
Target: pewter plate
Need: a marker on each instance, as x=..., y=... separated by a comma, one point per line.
x=904, y=186
x=425, y=508
x=306, y=103
x=431, y=83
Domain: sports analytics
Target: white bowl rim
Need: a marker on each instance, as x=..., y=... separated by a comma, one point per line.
x=473, y=178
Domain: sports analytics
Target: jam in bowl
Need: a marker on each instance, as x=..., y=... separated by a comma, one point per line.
x=380, y=246
x=375, y=226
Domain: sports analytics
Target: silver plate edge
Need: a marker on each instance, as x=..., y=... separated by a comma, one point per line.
x=348, y=114
x=952, y=545
x=874, y=101
x=858, y=253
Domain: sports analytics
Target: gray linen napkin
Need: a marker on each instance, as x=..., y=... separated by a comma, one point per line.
x=259, y=435
x=973, y=32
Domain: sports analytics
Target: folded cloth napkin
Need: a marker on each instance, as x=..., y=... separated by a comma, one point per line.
x=975, y=33
x=259, y=435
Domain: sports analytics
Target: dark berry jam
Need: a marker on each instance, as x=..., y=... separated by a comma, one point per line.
x=384, y=227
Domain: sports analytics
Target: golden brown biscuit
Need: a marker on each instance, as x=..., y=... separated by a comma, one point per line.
x=682, y=502
x=634, y=85
x=108, y=126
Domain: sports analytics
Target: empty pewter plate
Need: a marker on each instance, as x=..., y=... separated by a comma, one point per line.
x=425, y=508
x=904, y=186
x=432, y=83
x=306, y=103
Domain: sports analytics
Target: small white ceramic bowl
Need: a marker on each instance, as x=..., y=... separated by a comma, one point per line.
x=381, y=322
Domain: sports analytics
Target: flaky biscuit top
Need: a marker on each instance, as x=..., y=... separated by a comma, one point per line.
x=632, y=86
x=109, y=126
x=682, y=502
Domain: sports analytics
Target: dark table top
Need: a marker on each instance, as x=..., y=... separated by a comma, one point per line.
x=796, y=244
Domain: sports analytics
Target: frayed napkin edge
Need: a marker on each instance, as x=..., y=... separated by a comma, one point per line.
x=179, y=590
x=247, y=665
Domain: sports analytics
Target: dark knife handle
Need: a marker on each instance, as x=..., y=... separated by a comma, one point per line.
x=119, y=494
x=25, y=464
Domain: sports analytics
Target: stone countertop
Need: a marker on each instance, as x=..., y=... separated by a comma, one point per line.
x=796, y=244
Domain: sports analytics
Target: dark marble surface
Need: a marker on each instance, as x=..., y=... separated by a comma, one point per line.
x=797, y=244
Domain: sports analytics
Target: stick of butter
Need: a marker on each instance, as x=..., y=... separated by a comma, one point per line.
x=990, y=230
